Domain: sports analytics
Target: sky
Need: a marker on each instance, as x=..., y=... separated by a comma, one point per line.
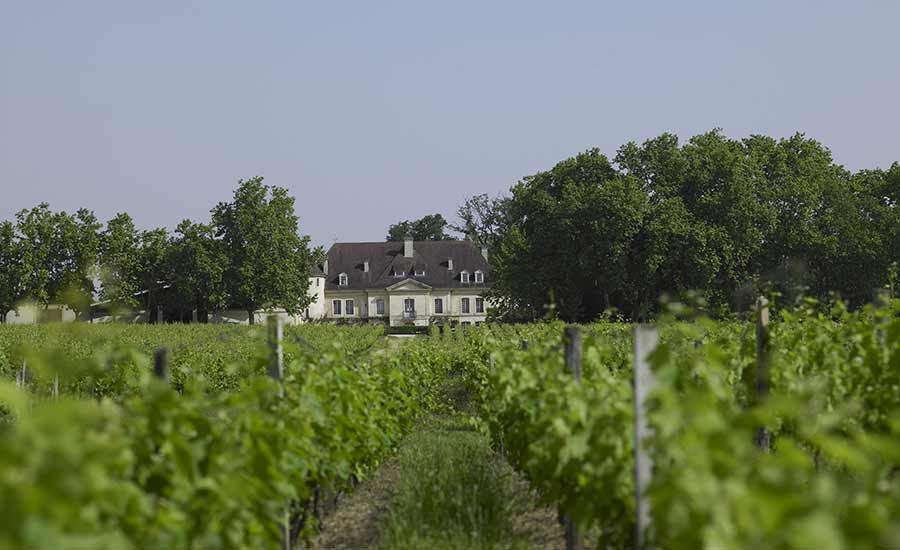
x=373, y=112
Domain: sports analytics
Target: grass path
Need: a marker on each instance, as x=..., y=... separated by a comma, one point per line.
x=445, y=489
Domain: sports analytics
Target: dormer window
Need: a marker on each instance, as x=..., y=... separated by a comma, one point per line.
x=464, y=276
x=479, y=277
x=342, y=279
x=398, y=274
x=420, y=272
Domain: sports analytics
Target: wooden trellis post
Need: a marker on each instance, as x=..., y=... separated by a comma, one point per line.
x=22, y=379
x=572, y=339
x=276, y=356
x=763, y=364
x=881, y=299
x=161, y=364
x=646, y=338
x=276, y=371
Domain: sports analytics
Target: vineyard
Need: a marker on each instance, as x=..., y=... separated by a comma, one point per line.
x=110, y=444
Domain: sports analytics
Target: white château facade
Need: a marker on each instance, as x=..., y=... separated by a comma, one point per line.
x=404, y=283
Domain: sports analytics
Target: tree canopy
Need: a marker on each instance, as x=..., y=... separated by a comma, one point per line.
x=252, y=257
x=268, y=261
x=432, y=227
x=716, y=217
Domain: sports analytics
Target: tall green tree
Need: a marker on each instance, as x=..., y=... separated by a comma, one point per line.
x=269, y=261
x=719, y=217
x=481, y=218
x=58, y=256
x=432, y=227
x=120, y=261
x=152, y=252
x=78, y=248
x=570, y=231
x=196, y=267
x=11, y=269
x=36, y=229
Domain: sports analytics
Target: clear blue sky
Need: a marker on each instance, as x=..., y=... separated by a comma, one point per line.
x=376, y=111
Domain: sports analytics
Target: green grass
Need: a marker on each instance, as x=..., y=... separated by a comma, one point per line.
x=454, y=493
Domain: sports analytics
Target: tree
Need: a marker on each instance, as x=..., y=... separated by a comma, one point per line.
x=78, y=245
x=428, y=228
x=10, y=269
x=196, y=265
x=119, y=259
x=570, y=232
x=58, y=256
x=150, y=268
x=481, y=219
x=722, y=218
x=38, y=262
x=268, y=261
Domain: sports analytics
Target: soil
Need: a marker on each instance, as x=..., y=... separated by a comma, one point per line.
x=538, y=524
x=355, y=522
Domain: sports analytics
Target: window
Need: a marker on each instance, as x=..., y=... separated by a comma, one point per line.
x=420, y=272
x=336, y=307
x=379, y=307
x=464, y=276
x=479, y=305
x=342, y=279
x=399, y=274
x=409, y=305
x=479, y=277
x=464, y=305
x=438, y=305
x=348, y=307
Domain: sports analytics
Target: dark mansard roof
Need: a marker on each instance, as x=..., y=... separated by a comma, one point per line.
x=386, y=259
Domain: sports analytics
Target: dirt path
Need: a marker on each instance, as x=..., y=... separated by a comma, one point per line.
x=359, y=519
x=355, y=522
x=537, y=524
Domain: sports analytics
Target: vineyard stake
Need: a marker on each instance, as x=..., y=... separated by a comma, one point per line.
x=55, y=387
x=572, y=339
x=646, y=338
x=276, y=371
x=276, y=356
x=491, y=370
x=573, y=351
x=763, y=363
x=161, y=364
x=881, y=301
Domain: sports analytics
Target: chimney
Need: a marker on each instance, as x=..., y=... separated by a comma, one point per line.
x=450, y=264
x=408, y=247
x=484, y=252
x=366, y=266
x=325, y=267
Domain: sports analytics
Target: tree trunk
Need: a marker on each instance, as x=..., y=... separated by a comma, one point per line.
x=250, y=319
x=2, y=317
